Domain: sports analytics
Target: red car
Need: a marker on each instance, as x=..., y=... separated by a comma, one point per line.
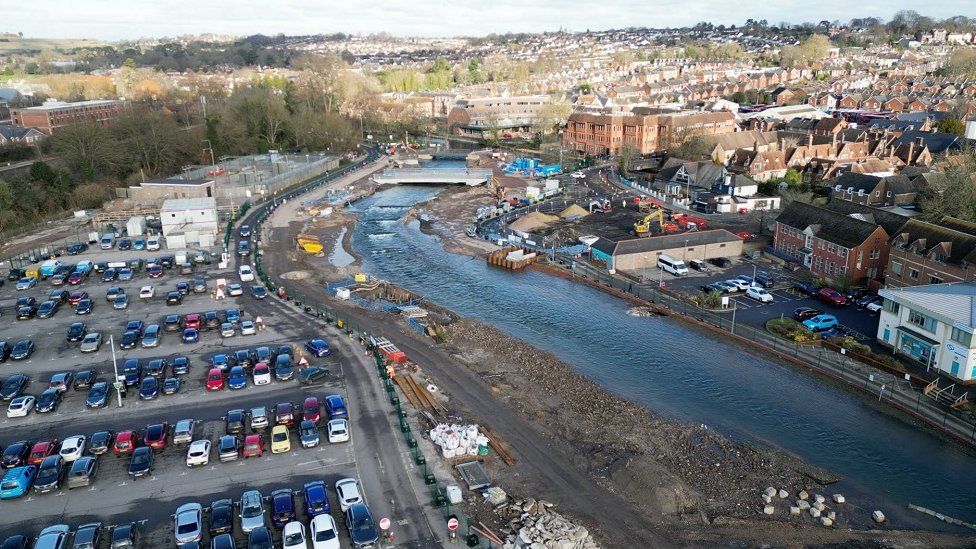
x=76, y=278
x=125, y=443
x=311, y=410
x=42, y=450
x=157, y=436
x=77, y=296
x=832, y=296
x=215, y=380
x=192, y=321
x=253, y=446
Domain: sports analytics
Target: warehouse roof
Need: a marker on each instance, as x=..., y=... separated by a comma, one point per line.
x=671, y=241
x=176, y=181
x=181, y=204
x=954, y=303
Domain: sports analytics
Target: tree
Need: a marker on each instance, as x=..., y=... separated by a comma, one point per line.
x=88, y=149
x=807, y=54
x=693, y=148
x=954, y=195
x=951, y=125
x=624, y=160
x=154, y=142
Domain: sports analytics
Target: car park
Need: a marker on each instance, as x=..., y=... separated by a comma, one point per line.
x=229, y=448
x=831, y=296
x=13, y=386
x=91, y=343
x=221, y=517
x=141, y=462
x=324, y=533
x=317, y=347
x=359, y=522
x=49, y=473
x=251, y=511
x=82, y=472
x=73, y=447
x=820, y=322
x=97, y=395
x=348, y=493
x=100, y=443
x=20, y=406
x=280, y=441
x=338, y=430
x=188, y=523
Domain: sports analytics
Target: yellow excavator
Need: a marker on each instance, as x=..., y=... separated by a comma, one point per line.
x=643, y=227
x=495, y=189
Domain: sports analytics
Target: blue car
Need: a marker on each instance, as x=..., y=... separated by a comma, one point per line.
x=237, y=378
x=139, y=244
x=149, y=389
x=220, y=361
x=125, y=274
x=359, y=521
x=191, y=335
x=259, y=292
x=316, y=498
x=805, y=288
x=317, y=347
x=132, y=371
x=820, y=322
x=233, y=316
x=17, y=481
x=282, y=507
x=336, y=407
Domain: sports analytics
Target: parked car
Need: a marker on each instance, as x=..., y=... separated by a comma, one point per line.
x=283, y=413
x=132, y=370
x=13, y=386
x=359, y=522
x=149, y=388
x=258, y=292
x=157, y=436
x=338, y=431
x=316, y=498
x=253, y=446
x=48, y=401
x=261, y=374
x=759, y=294
x=22, y=350
x=229, y=448
x=141, y=462
x=698, y=265
x=237, y=378
x=308, y=434
x=97, y=395
x=215, y=380
x=282, y=507
x=805, y=288
x=92, y=343
x=335, y=407
x=258, y=417
x=100, y=443
x=173, y=323
x=124, y=536
x=324, y=533
x=76, y=332
x=831, y=296
x=171, y=385
x=121, y=302
x=251, y=511
x=41, y=450
x=234, y=421
x=188, y=523
x=49, y=474
x=348, y=493
x=722, y=262
x=875, y=305
x=293, y=536
x=181, y=365
x=53, y=537
x=283, y=369
x=73, y=447
x=15, y=454
x=317, y=347
x=190, y=335
x=221, y=517
x=82, y=472
x=280, y=441
x=311, y=374
x=125, y=443
x=20, y=406
x=820, y=322
x=802, y=313
x=150, y=338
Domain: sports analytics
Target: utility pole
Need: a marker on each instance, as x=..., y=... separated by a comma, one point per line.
x=115, y=366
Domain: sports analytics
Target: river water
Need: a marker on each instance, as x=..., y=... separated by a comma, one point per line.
x=674, y=370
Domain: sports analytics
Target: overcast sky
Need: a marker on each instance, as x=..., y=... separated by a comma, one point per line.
x=111, y=19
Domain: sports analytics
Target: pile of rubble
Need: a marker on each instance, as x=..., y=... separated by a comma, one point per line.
x=534, y=525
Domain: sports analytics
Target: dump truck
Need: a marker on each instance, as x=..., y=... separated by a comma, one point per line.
x=310, y=243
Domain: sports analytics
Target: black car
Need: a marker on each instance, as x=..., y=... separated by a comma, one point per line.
x=181, y=365
x=61, y=296
x=97, y=395
x=804, y=313
x=22, y=350
x=183, y=288
x=124, y=536
x=283, y=369
x=855, y=294
x=100, y=443
x=221, y=517
x=156, y=367
x=49, y=474
x=26, y=312
x=260, y=538
x=84, y=307
x=722, y=262
x=167, y=261
x=129, y=340
x=282, y=507
x=13, y=386
x=149, y=388
x=141, y=462
x=259, y=292
x=4, y=351
x=866, y=299
x=113, y=292
x=174, y=298
x=805, y=288
x=101, y=266
x=235, y=421
x=109, y=275
x=199, y=286
x=77, y=331
x=25, y=300
x=262, y=354
x=15, y=454
x=88, y=535
x=47, y=309
x=14, y=275
x=312, y=374
x=211, y=320
x=76, y=248
x=173, y=323
x=15, y=542
x=85, y=379
x=242, y=357
x=48, y=401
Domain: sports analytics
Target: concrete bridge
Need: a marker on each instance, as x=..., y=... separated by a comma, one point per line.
x=434, y=176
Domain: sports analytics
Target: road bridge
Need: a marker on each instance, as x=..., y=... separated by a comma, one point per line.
x=441, y=176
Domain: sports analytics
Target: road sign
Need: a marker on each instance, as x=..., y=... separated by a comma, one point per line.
x=384, y=523
x=117, y=385
x=452, y=523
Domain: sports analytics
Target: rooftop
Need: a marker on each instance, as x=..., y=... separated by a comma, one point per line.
x=181, y=204
x=54, y=105
x=955, y=302
x=667, y=242
x=176, y=181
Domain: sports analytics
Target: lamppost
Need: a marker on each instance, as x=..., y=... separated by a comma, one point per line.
x=115, y=366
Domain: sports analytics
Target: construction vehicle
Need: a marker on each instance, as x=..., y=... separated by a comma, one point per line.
x=690, y=223
x=310, y=243
x=601, y=205
x=647, y=204
x=643, y=227
x=495, y=189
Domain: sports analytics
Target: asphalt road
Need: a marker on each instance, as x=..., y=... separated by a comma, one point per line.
x=374, y=455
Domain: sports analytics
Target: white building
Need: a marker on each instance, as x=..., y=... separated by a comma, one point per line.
x=189, y=222
x=933, y=324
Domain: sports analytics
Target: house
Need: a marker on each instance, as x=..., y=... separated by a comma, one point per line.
x=726, y=144
x=782, y=96
x=189, y=222
x=16, y=134
x=761, y=166
x=930, y=253
x=933, y=324
x=638, y=254
x=735, y=193
x=871, y=190
x=831, y=244
x=684, y=177
x=933, y=142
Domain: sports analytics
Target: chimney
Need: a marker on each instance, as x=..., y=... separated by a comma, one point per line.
x=810, y=140
x=911, y=153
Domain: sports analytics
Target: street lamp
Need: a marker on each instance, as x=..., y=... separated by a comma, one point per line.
x=115, y=366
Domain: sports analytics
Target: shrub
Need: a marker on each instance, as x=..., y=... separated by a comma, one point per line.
x=792, y=330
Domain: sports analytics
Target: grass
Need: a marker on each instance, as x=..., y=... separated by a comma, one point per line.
x=791, y=330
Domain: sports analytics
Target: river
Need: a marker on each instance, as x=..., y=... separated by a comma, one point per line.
x=674, y=370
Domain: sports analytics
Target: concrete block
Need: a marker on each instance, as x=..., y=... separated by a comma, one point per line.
x=838, y=498
x=770, y=491
x=878, y=517
x=826, y=521
x=819, y=499
x=769, y=510
x=814, y=512
x=803, y=504
x=803, y=494
x=783, y=494
x=795, y=511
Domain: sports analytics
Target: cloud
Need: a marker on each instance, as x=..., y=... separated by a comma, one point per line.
x=110, y=20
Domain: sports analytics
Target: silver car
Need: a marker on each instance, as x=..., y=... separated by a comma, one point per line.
x=188, y=523
x=252, y=511
x=259, y=417
x=183, y=433
x=91, y=343
x=150, y=338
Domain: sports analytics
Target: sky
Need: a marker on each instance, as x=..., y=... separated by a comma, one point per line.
x=130, y=19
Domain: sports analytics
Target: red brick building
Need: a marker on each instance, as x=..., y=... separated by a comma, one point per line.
x=644, y=129
x=927, y=253
x=55, y=114
x=831, y=244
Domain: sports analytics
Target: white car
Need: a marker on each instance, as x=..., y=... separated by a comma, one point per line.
x=227, y=330
x=338, y=431
x=759, y=294
x=73, y=448
x=348, y=491
x=740, y=285
x=324, y=533
x=152, y=244
x=146, y=292
x=876, y=305
x=198, y=453
x=259, y=417
x=20, y=406
x=577, y=175
x=246, y=273
x=293, y=536
x=235, y=290
x=247, y=328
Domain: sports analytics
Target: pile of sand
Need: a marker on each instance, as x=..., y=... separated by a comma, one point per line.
x=532, y=222
x=573, y=211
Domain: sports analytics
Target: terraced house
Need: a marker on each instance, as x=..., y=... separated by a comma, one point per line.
x=929, y=253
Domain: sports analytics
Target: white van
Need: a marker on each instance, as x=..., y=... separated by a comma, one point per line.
x=152, y=243
x=107, y=242
x=672, y=265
